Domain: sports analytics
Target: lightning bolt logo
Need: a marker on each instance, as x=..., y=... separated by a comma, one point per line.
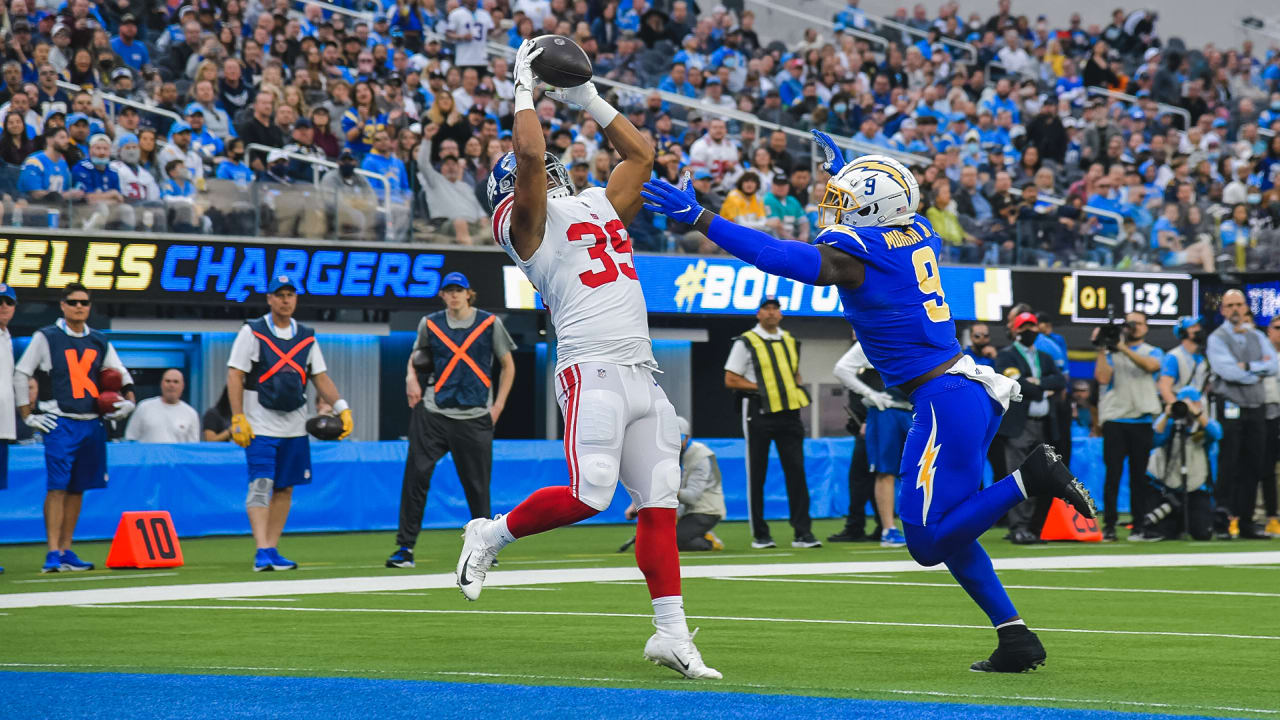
x=928, y=465
x=847, y=231
x=690, y=284
x=887, y=169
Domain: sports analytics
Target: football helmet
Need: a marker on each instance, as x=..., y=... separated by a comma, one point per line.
x=502, y=179
x=871, y=191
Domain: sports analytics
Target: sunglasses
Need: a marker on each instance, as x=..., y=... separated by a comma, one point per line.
x=7, y=301
x=78, y=303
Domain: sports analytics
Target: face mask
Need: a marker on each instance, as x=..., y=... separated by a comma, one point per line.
x=183, y=174
x=1194, y=337
x=1275, y=106
x=840, y=108
x=99, y=162
x=236, y=157
x=1027, y=337
x=131, y=155
x=346, y=171
x=1254, y=198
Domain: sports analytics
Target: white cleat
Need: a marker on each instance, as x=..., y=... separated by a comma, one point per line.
x=680, y=655
x=475, y=559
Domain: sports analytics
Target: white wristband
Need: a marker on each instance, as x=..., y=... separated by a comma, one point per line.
x=601, y=111
x=523, y=99
x=341, y=405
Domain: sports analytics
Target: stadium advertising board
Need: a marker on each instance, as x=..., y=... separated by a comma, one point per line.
x=208, y=271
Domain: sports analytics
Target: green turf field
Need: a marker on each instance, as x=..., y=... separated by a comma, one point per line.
x=1156, y=643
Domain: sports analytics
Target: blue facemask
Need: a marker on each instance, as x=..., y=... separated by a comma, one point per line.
x=840, y=108
x=99, y=162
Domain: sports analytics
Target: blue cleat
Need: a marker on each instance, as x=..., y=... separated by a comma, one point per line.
x=893, y=537
x=402, y=558
x=73, y=563
x=262, y=561
x=52, y=562
x=281, y=562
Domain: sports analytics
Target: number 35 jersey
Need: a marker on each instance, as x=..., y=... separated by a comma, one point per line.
x=900, y=310
x=587, y=278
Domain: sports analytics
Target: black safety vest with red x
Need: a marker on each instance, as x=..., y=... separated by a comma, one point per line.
x=280, y=373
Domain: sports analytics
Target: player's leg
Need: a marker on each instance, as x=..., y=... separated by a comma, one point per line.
x=757, y=435
x=471, y=442
x=293, y=468
x=592, y=405
x=426, y=446
x=58, y=458
x=789, y=437
x=650, y=471
x=53, y=502
x=88, y=472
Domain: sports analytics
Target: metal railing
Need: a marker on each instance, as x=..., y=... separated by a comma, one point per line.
x=740, y=116
x=818, y=22
x=1262, y=28
x=117, y=100
x=324, y=162
x=1164, y=107
x=881, y=21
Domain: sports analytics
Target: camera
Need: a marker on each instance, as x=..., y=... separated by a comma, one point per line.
x=1168, y=505
x=1108, y=336
x=1179, y=410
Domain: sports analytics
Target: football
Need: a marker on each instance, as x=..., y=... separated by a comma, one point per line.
x=422, y=362
x=107, y=400
x=563, y=63
x=110, y=380
x=325, y=427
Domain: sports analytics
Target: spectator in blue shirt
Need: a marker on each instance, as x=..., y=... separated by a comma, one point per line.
x=851, y=16
x=133, y=53
x=676, y=82
x=208, y=145
x=234, y=167
x=980, y=347
x=791, y=83
x=45, y=175
x=101, y=187
x=383, y=161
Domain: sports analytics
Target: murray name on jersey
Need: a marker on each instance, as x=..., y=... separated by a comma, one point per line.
x=900, y=309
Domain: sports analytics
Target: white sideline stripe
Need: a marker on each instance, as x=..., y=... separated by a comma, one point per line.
x=726, y=618
x=1235, y=593
x=82, y=578
x=264, y=599
x=681, y=681
x=498, y=578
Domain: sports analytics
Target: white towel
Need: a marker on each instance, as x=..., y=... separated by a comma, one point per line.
x=1001, y=389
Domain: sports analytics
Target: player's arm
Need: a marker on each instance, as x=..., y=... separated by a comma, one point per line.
x=529, y=208
x=623, y=189
x=506, y=378
x=809, y=264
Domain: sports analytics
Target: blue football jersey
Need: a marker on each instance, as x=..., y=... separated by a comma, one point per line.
x=900, y=310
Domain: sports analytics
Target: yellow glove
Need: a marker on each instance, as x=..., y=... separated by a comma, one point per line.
x=241, y=431
x=347, y=423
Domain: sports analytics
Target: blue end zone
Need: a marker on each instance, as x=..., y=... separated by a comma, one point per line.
x=119, y=695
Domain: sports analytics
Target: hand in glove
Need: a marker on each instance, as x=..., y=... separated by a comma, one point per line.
x=347, y=423
x=880, y=400
x=576, y=97
x=41, y=422
x=122, y=410
x=676, y=202
x=835, y=156
x=241, y=431
x=522, y=72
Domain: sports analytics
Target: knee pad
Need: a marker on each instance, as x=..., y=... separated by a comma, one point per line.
x=597, y=478
x=259, y=492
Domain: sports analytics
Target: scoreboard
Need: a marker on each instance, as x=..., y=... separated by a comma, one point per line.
x=1163, y=297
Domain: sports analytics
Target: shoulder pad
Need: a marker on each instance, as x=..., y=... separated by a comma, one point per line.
x=844, y=237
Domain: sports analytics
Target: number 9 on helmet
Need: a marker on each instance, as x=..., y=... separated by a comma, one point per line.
x=873, y=190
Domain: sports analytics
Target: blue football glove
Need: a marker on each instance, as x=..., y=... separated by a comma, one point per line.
x=676, y=202
x=835, y=156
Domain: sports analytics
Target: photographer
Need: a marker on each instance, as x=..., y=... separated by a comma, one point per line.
x=1184, y=365
x=1184, y=437
x=1240, y=357
x=1126, y=373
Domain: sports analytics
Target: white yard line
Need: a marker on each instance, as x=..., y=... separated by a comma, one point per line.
x=500, y=578
x=1235, y=593
x=81, y=578
x=725, y=618
x=264, y=599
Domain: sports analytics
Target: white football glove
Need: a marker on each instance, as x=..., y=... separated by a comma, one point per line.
x=522, y=71
x=123, y=408
x=41, y=422
x=576, y=97
x=880, y=400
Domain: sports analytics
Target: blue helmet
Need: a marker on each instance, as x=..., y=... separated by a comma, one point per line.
x=502, y=179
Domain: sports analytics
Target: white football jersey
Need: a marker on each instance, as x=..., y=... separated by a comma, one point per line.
x=587, y=277
x=136, y=184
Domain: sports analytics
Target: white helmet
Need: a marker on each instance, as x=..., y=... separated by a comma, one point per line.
x=870, y=191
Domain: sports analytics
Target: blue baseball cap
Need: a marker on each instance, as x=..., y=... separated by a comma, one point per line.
x=193, y=108
x=1137, y=114
x=957, y=117
x=279, y=282
x=74, y=118
x=455, y=278
x=7, y=291
x=179, y=127
x=126, y=139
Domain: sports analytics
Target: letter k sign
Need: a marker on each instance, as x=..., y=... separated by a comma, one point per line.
x=78, y=369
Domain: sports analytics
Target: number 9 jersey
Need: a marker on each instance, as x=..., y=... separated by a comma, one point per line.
x=900, y=310
x=587, y=278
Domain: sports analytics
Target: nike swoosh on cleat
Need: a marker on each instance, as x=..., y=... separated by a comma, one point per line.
x=682, y=663
x=462, y=579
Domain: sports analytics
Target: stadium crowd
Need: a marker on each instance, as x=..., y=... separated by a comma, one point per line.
x=213, y=115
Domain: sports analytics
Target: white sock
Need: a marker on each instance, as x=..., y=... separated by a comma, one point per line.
x=497, y=534
x=1017, y=477
x=668, y=616
x=1019, y=621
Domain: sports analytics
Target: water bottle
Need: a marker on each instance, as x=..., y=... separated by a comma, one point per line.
x=54, y=216
x=17, y=216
